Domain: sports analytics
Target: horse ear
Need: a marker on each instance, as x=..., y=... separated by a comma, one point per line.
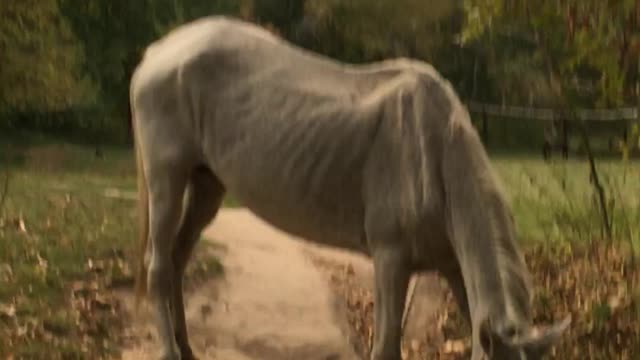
x=539, y=342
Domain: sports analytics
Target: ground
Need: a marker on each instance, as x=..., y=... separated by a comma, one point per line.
x=67, y=230
x=272, y=301
x=276, y=302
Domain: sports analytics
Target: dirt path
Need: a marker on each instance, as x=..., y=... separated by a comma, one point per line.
x=273, y=303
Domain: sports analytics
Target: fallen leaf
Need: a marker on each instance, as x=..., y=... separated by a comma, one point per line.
x=7, y=311
x=453, y=347
x=6, y=272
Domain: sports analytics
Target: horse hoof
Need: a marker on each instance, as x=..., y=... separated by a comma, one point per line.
x=171, y=357
x=187, y=354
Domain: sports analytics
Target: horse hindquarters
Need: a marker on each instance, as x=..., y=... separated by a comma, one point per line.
x=165, y=163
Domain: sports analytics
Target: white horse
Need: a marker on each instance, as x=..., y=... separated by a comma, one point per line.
x=379, y=158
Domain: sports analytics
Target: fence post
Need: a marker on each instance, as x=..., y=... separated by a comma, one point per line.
x=565, y=138
x=485, y=127
x=563, y=117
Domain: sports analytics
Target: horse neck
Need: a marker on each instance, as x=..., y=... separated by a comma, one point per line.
x=481, y=228
x=497, y=272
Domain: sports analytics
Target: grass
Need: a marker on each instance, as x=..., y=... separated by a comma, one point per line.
x=555, y=202
x=64, y=245
x=575, y=270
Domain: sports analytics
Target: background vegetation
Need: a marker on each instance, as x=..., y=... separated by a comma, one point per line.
x=64, y=143
x=66, y=63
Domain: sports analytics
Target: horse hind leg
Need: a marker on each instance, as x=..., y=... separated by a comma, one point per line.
x=166, y=183
x=203, y=199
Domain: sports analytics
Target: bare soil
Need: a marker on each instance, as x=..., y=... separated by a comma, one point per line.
x=275, y=301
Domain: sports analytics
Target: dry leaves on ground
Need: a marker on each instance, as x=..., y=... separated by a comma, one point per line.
x=88, y=327
x=598, y=286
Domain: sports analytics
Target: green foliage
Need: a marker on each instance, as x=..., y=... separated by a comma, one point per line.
x=586, y=49
x=113, y=34
x=62, y=55
x=361, y=30
x=66, y=64
x=282, y=14
x=41, y=58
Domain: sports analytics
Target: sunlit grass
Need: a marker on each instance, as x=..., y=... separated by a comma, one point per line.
x=555, y=201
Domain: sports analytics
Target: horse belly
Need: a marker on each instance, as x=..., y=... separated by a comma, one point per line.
x=334, y=218
x=309, y=222
x=299, y=168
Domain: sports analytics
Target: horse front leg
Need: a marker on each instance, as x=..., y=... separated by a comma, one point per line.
x=204, y=197
x=391, y=273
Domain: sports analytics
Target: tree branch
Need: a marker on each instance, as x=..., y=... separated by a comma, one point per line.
x=554, y=75
x=596, y=180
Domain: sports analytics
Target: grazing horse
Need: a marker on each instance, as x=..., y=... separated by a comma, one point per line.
x=381, y=159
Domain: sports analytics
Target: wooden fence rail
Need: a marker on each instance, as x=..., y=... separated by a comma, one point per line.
x=625, y=113
x=558, y=122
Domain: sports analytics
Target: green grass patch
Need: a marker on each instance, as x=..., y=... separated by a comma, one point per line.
x=64, y=246
x=555, y=202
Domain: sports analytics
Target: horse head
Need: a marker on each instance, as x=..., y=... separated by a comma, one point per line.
x=533, y=344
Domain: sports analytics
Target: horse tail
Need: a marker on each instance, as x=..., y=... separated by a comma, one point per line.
x=480, y=223
x=143, y=215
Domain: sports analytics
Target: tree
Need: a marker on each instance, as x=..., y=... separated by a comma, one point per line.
x=587, y=49
x=360, y=30
x=115, y=34
x=41, y=58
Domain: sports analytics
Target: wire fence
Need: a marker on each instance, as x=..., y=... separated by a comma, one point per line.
x=623, y=113
x=558, y=124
